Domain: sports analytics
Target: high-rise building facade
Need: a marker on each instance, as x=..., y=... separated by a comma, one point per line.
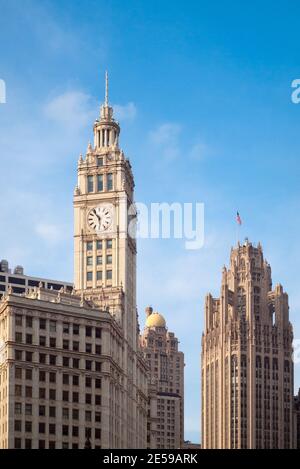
x=20, y=283
x=166, y=372
x=71, y=365
x=247, y=367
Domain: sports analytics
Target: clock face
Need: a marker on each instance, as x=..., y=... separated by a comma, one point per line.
x=100, y=218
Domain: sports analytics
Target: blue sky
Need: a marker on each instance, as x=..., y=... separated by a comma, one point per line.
x=212, y=83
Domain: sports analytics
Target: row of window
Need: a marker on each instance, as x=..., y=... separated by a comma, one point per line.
x=99, y=275
x=101, y=184
x=44, y=324
x=51, y=394
x=66, y=429
x=99, y=244
x=99, y=260
x=66, y=345
x=42, y=444
x=66, y=378
x=52, y=360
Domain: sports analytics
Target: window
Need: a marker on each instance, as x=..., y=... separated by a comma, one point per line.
x=97, y=366
x=52, y=412
x=109, y=181
x=18, y=320
x=75, y=397
x=98, y=400
x=27, y=444
x=76, y=363
x=18, y=354
x=42, y=358
x=109, y=275
x=97, y=433
x=99, y=244
x=75, y=414
x=100, y=182
x=97, y=417
x=18, y=408
x=42, y=427
x=88, y=348
x=18, y=373
x=28, y=409
x=88, y=382
x=28, y=391
x=75, y=431
x=52, y=342
x=109, y=259
x=75, y=380
x=28, y=374
x=75, y=329
x=18, y=336
x=109, y=244
x=89, y=260
x=42, y=393
x=65, y=344
x=98, y=333
x=98, y=349
x=65, y=395
x=42, y=323
x=88, y=364
x=28, y=321
x=28, y=356
x=90, y=183
x=66, y=361
x=41, y=444
x=65, y=445
x=42, y=411
x=65, y=430
x=18, y=425
x=89, y=276
x=88, y=398
x=51, y=444
x=18, y=444
x=98, y=383
x=65, y=379
x=99, y=274
x=52, y=394
x=89, y=246
x=29, y=339
x=52, y=326
x=52, y=377
x=28, y=427
x=52, y=359
x=65, y=413
x=42, y=341
x=52, y=427
x=75, y=346
x=66, y=328
x=99, y=260
x=99, y=161
x=88, y=331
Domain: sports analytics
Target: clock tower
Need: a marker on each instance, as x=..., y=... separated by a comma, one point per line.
x=105, y=255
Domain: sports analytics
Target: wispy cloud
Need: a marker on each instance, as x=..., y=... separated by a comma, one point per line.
x=50, y=233
x=126, y=112
x=166, y=138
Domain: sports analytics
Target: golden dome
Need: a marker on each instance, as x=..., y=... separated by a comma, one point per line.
x=155, y=320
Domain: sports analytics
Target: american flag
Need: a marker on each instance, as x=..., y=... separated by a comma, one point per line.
x=238, y=218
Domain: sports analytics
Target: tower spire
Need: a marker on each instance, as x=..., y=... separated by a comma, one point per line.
x=106, y=89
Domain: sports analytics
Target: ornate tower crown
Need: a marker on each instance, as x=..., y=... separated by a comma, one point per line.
x=106, y=129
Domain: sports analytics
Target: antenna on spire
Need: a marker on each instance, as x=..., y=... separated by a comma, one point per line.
x=106, y=89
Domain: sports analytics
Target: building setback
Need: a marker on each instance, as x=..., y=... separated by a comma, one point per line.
x=247, y=367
